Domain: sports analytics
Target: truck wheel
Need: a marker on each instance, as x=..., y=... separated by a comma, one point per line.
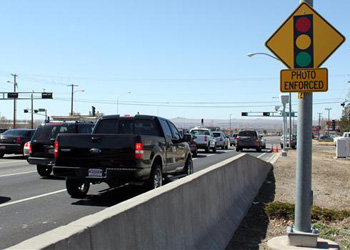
x=223, y=147
x=214, y=149
x=43, y=170
x=156, y=178
x=188, y=166
x=258, y=149
x=237, y=149
x=76, y=188
x=207, y=149
x=195, y=152
x=2, y=155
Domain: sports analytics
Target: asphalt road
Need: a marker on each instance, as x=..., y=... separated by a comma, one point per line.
x=31, y=205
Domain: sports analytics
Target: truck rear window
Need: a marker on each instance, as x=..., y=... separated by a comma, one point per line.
x=248, y=133
x=127, y=126
x=200, y=132
x=50, y=131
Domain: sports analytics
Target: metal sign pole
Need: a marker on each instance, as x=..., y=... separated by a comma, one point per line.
x=303, y=195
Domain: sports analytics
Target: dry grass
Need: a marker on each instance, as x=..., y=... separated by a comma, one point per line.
x=331, y=186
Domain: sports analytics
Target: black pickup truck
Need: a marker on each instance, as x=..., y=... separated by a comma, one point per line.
x=140, y=149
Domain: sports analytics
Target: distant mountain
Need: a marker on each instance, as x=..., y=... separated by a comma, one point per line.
x=268, y=124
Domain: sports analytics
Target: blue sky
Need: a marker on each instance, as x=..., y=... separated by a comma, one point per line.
x=178, y=58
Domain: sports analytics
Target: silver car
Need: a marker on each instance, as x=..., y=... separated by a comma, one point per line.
x=204, y=138
x=221, y=140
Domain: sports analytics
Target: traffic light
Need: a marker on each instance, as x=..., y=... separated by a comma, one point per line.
x=36, y=111
x=93, y=111
x=244, y=114
x=333, y=125
x=46, y=95
x=12, y=95
x=26, y=111
x=266, y=113
x=303, y=41
x=202, y=121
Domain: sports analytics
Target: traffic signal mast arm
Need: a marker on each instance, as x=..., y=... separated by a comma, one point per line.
x=266, y=114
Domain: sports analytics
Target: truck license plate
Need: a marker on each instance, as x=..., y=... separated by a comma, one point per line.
x=95, y=172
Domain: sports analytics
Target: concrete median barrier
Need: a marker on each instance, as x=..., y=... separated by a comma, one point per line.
x=200, y=211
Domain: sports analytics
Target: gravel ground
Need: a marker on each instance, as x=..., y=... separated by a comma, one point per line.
x=331, y=186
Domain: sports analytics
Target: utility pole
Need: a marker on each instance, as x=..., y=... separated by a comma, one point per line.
x=230, y=125
x=319, y=119
x=14, y=100
x=329, y=120
x=32, y=110
x=71, y=102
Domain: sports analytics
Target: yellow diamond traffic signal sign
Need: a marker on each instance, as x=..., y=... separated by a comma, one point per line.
x=305, y=39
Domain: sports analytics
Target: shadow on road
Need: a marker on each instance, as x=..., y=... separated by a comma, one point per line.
x=13, y=157
x=4, y=199
x=111, y=197
x=253, y=228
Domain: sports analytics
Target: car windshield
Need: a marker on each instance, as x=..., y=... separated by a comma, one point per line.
x=216, y=134
x=200, y=132
x=15, y=132
x=248, y=133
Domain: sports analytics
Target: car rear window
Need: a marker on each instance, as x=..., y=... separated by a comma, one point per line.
x=248, y=133
x=200, y=132
x=216, y=134
x=49, y=131
x=15, y=132
x=127, y=126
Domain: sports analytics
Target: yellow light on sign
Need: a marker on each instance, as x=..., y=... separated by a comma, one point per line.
x=304, y=80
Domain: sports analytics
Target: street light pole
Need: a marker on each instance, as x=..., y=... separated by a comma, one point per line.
x=72, y=96
x=290, y=94
x=118, y=100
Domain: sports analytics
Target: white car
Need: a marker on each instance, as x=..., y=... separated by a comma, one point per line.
x=204, y=139
x=221, y=139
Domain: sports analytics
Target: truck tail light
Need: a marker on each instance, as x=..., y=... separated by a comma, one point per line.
x=256, y=139
x=18, y=140
x=238, y=138
x=138, y=150
x=57, y=145
x=205, y=138
x=30, y=149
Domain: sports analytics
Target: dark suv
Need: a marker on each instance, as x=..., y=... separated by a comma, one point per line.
x=42, y=143
x=248, y=139
x=13, y=140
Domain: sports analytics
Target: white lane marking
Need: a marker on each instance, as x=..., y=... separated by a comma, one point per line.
x=32, y=198
x=15, y=161
x=6, y=175
x=261, y=155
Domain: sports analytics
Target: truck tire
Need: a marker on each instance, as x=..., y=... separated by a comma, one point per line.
x=195, y=152
x=156, y=178
x=238, y=149
x=258, y=149
x=214, y=149
x=188, y=169
x=76, y=188
x=43, y=170
x=2, y=155
x=207, y=149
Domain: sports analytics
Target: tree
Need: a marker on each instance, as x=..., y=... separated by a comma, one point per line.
x=345, y=120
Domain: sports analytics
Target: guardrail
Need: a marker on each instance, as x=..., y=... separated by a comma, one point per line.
x=200, y=211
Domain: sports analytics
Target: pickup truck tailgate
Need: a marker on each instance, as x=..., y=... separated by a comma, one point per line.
x=92, y=150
